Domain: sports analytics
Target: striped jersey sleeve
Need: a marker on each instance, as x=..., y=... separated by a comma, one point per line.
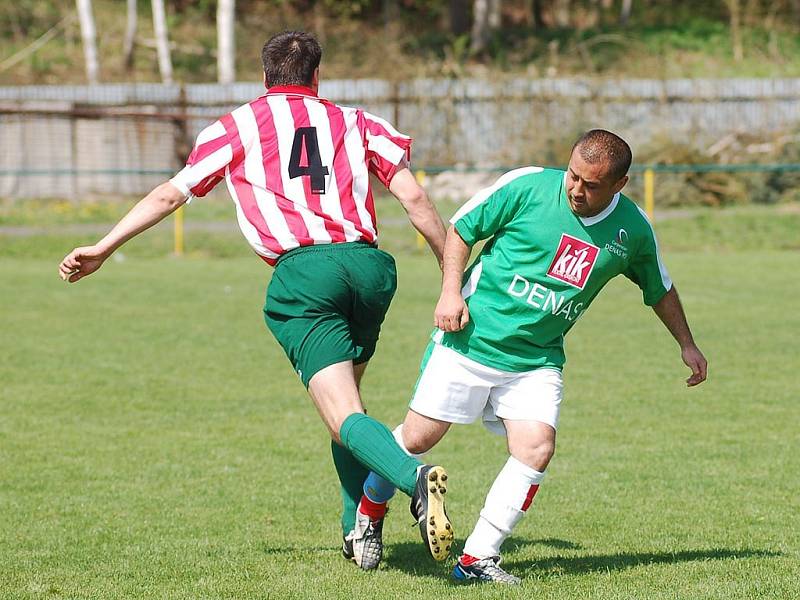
x=205, y=167
x=386, y=147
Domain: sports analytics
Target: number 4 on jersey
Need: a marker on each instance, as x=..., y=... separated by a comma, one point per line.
x=307, y=136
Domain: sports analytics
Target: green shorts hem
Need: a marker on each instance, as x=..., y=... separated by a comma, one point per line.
x=307, y=376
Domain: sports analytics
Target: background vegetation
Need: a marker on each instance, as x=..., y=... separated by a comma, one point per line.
x=404, y=38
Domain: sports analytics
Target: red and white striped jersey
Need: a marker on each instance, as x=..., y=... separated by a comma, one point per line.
x=297, y=168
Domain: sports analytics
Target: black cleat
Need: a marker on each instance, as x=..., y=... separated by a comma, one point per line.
x=427, y=507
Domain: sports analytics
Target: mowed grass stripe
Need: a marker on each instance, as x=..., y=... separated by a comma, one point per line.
x=154, y=443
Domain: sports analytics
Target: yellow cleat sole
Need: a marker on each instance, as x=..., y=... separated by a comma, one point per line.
x=439, y=530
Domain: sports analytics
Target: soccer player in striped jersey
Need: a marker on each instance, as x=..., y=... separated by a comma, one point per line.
x=555, y=239
x=297, y=167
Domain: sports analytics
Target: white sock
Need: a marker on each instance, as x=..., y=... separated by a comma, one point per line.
x=509, y=497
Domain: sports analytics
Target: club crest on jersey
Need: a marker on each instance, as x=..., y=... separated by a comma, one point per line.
x=618, y=246
x=573, y=262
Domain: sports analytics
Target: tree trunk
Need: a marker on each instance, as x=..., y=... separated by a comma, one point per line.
x=736, y=32
x=89, y=37
x=751, y=12
x=226, y=46
x=486, y=15
x=625, y=12
x=561, y=10
x=130, y=35
x=536, y=9
x=162, y=40
x=495, y=17
x=458, y=16
x=391, y=13
x=480, y=27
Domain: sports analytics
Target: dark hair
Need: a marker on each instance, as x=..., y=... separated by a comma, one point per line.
x=599, y=145
x=290, y=58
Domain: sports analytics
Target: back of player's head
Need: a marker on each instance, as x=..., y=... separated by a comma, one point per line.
x=290, y=58
x=598, y=145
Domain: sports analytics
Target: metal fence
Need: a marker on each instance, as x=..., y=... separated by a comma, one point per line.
x=74, y=141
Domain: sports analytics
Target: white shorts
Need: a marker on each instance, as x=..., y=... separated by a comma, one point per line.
x=456, y=389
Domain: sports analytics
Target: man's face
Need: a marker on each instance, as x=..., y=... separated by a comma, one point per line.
x=590, y=188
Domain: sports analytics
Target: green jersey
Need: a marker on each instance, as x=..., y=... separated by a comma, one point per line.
x=543, y=266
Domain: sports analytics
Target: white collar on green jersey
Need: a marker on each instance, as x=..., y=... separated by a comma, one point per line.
x=602, y=214
x=587, y=221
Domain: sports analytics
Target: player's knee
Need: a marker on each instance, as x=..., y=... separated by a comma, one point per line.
x=542, y=453
x=546, y=451
x=535, y=454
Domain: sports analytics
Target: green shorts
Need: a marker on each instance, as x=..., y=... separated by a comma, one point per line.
x=325, y=304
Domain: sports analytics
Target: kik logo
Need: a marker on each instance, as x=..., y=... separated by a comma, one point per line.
x=573, y=262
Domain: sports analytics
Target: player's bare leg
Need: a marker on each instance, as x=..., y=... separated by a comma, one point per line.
x=531, y=445
x=361, y=535
x=362, y=523
x=358, y=373
x=335, y=395
x=421, y=433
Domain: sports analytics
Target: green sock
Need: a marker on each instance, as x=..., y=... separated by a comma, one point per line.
x=351, y=476
x=374, y=446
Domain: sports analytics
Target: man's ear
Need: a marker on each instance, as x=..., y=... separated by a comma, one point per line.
x=620, y=184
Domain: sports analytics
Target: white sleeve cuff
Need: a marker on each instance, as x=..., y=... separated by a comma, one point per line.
x=179, y=183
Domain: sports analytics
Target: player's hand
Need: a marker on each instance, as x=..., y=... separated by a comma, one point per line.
x=81, y=262
x=451, y=313
x=695, y=360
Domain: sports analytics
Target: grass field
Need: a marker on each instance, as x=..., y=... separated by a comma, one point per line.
x=154, y=442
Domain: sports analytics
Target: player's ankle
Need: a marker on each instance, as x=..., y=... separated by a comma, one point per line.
x=374, y=510
x=468, y=559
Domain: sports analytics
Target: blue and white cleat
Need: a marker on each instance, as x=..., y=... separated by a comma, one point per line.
x=485, y=569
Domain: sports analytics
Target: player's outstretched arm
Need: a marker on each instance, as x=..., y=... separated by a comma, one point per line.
x=670, y=311
x=159, y=203
x=451, y=312
x=421, y=211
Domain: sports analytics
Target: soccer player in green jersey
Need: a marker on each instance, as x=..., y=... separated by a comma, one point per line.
x=555, y=239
